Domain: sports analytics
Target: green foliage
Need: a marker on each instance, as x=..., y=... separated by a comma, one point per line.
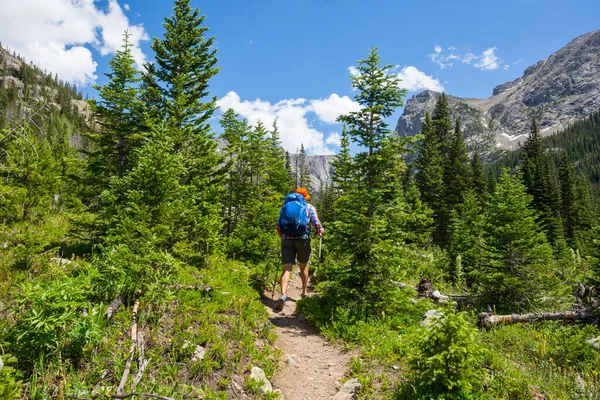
x=118, y=109
x=126, y=272
x=516, y=271
x=448, y=361
x=55, y=319
x=10, y=386
x=366, y=211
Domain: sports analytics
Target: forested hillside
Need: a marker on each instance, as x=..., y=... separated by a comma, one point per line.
x=135, y=250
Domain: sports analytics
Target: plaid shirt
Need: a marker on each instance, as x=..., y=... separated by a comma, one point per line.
x=313, y=219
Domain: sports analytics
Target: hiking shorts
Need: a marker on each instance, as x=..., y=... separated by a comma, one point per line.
x=295, y=249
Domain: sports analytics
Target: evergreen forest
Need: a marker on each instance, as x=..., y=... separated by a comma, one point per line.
x=138, y=242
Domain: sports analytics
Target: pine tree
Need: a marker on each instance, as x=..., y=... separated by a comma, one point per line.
x=517, y=256
x=117, y=109
x=466, y=236
x=149, y=207
x=303, y=171
x=278, y=172
x=442, y=124
x=430, y=171
x=540, y=180
x=365, y=230
x=342, y=165
x=479, y=182
x=567, y=197
x=186, y=61
x=457, y=181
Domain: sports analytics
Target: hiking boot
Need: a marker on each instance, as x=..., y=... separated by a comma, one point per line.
x=280, y=303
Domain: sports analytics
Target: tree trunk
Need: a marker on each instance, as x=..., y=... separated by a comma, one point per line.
x=488, y=319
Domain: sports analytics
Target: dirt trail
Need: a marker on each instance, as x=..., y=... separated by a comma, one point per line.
x=312, y=367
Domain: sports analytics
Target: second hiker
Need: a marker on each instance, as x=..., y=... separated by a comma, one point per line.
x=295, y=219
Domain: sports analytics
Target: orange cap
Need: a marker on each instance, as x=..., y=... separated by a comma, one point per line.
x=304, y=193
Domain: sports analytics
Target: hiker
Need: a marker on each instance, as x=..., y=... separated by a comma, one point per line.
x=293, y=226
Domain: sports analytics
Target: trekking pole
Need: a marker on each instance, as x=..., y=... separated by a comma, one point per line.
x=319, y=260
x=275, y=280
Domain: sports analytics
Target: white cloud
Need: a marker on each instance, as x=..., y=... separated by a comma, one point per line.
x=488, y=60
x=334, y=139
x=328, y=110
x=414, y=80
x=56, y=34
x=126, y=7
x=291, y=116
x=437, y=57
x=353, y=71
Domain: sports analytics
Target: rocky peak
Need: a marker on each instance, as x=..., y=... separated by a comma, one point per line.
x=556, y=91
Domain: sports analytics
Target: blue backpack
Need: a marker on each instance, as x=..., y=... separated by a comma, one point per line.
x=293, y=217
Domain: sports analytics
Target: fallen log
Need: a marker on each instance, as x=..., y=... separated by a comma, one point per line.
x=134, y=337
x=488, y=319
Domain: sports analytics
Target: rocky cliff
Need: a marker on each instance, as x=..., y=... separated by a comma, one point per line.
x=556, y=92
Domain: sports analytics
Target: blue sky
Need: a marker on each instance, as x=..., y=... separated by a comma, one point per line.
x=289, y=59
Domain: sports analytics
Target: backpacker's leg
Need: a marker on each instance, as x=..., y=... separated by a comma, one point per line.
x=304, y=276
x=285, y=278
x=303, y=255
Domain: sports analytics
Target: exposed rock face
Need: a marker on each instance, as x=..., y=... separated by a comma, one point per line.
x=556, y=92
x=320, y=170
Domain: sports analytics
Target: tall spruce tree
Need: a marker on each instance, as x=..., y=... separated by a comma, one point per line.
x=442, y=123
x=517, y=256
x=457, y=180
x=567, y=198
x=540, y=180
x=479, y=183
x=303, y=171
x=364, y=230
x=117, y=111
x=186, y=60
x=430, y=170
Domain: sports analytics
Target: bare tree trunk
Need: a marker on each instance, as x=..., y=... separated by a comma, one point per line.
x=134, y=340
x=489, y=319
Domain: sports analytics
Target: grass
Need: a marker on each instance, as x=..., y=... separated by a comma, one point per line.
x=84, y=356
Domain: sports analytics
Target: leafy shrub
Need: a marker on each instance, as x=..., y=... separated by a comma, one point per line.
x=448, y=361
x=125, y=273
x=55, y=318
x=10, y=386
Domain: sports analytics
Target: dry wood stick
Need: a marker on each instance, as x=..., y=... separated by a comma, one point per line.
x=133, y=336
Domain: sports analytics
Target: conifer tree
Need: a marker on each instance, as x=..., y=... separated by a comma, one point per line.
x=149, y=207
x=186, y=61
x=466, y=239
x=479, y=183
x=567, y=197
x=457, y=181
x=442, y=123
x=278, y=174
x=430, y=170
x=303, y=171
x=541, y=183
x=517, y=255
x=342, y=166
x=117, y=111
x=364, y=230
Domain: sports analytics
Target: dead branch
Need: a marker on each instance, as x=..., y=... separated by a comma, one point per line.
x=133, y=335
x=112, y=308
x=142, y=362
x=178, y=286
x=489, y=319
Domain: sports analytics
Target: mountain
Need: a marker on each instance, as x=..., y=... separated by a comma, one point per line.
x=557, y=91
x=319, y=168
